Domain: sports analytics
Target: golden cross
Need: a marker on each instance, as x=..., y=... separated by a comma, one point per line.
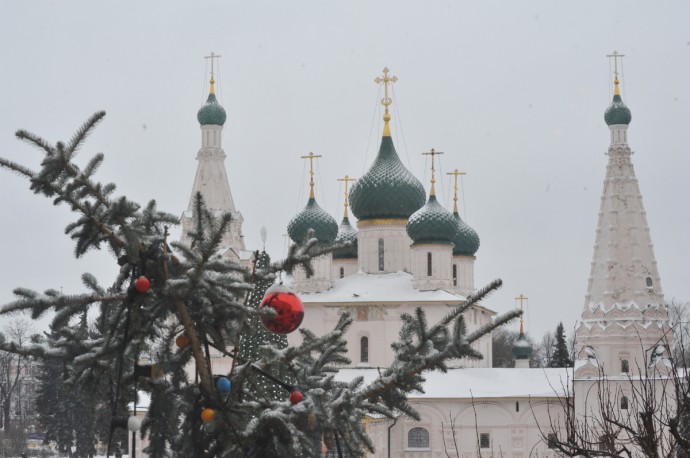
x=347, y=180
x=311, y=156
x=213, y=57
x=386, y=101
x=456, y=173
x=521, y=298
x=432, y=153
x=615, y=56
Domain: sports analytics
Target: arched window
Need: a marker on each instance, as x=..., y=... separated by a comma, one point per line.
x=418, y=438
x=624, y=403
x=625, y=366
x=342, y=272
x=381, y=255
x=428, y=264
x=455, y=275
x=650, y=283
x=517, y=406
x=364, y=349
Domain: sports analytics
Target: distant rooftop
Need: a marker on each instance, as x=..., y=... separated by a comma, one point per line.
x=379, y=288
x=482, y=383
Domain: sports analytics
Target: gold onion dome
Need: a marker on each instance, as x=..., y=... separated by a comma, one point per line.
x=313, y=217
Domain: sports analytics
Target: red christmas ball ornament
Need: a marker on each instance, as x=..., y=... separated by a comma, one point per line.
x=182, y=341
x=296, y=397
x=142, y=284
x=288, y=307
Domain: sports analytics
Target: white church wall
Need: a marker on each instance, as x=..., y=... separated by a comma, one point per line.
x=396, y=246
x=465, y=426
x=432, y=267
x=344, y=268
x=464, y=274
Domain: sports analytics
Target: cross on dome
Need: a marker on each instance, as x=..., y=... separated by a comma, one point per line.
x=347, y=180
x=433, y=153
x=213, y=57
x=522, y=298
x=615, y=57
x=386, y=101
x=455, y=174
x=311, y=156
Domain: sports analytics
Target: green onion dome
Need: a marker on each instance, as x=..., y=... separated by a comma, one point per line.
x=432, y=224
x=211, y=113
x=467, y=241
x=522, y=349
x=387, y=189
x=313, y=217
x=617, y=112
x=346, y=233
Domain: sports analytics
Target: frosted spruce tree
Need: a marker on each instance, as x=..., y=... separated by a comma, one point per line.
x=180, y=303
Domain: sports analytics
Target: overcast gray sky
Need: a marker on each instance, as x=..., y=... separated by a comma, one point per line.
x=513, y=93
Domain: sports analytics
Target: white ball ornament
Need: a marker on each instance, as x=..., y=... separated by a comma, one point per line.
x=134, y=424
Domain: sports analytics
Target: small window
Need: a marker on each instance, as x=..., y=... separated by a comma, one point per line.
x=418, y=438
x=517, y=406
x=342, y=272
x=380, y=255
x=624, y=403
x=484, y=440
x=455, y=275
x=650, y=283
x=625, y=366
x=428, y=264
x=364, y=349
x=551, y=440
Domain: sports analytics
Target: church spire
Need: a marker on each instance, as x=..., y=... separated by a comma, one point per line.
x=211, y=177
x=624, y=290
x=386, y=101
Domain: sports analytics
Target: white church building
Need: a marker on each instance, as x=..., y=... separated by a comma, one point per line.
x=408, y=251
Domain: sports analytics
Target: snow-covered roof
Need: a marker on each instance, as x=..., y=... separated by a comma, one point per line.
x=379, y=288
x=482, y=383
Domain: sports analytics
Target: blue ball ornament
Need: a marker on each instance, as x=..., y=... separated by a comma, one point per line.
x=223, y=385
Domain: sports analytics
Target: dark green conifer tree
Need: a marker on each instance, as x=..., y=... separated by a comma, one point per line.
x=256, y=342
x=208, y=298
x=561, y=355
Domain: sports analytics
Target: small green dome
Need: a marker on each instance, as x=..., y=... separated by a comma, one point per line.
x=211, y=113
x=522, y=349
x=467, y=241
x=313, y=217
x=346, y=233
x=617, y=112
x=387, y=189
x=432, y=224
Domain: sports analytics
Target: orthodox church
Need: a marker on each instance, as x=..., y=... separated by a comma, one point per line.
x=408, y=251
